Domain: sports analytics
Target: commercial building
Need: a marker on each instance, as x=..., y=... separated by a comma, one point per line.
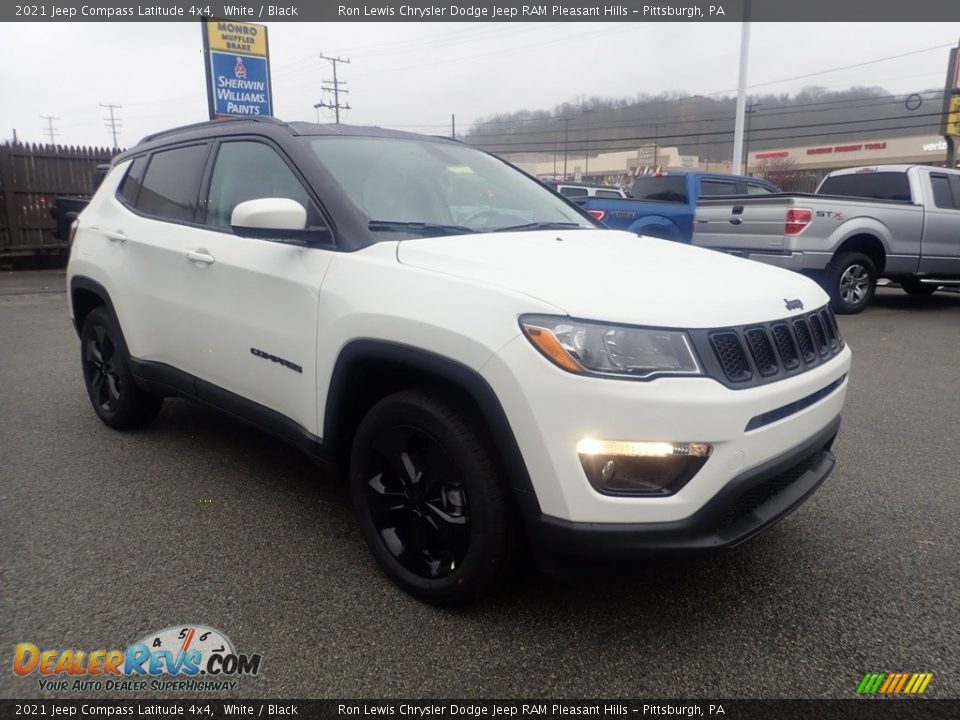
x=801, y=168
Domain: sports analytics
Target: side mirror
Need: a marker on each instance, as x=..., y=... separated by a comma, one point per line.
x=269, y=214
x=279, y=219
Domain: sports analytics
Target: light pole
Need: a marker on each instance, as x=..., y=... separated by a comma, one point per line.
x=736, y=162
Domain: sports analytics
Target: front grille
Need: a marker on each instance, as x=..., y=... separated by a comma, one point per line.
x=819, y=334
x=786, y=346
x=766, y=491
x=830, y=324
x=762, y=351
x=804, y=340
x=765, y=352
x=730, y=353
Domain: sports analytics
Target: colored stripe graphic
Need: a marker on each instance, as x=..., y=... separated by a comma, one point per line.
x=894, y=683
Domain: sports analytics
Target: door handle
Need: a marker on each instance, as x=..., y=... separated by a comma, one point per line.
x=115, y=236
x=200, y=255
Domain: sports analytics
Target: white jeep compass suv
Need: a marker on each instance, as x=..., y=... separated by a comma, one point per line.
x=492, y=365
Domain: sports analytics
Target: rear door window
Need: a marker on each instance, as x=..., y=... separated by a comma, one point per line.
x=130, y=187
x=608, y=194
x=573, y=192
x=758, y=189
x=172, y=183
x=942, y=192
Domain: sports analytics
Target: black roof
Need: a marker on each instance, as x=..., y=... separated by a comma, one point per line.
x=263, y=125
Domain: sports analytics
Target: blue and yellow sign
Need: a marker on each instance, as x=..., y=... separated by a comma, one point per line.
x=238, y=68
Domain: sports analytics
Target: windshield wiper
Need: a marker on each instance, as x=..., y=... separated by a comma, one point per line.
x=418, y=227
x=540, y=226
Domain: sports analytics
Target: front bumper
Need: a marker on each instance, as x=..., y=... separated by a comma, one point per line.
x=744, y=507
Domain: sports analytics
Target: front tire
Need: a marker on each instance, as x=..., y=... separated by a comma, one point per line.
x=851, y=281
x=116, y=398
x=430, y=503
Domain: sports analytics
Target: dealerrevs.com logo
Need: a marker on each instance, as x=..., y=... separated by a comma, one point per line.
x=186, y=658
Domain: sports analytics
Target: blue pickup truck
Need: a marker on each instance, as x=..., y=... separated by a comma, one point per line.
x=663, y=205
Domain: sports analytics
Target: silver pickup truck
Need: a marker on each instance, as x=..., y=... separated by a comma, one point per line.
x=895, y=221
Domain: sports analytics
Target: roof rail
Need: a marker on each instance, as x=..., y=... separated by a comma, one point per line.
x=173, y=131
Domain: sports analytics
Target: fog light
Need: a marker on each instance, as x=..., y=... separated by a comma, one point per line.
x=616, y=467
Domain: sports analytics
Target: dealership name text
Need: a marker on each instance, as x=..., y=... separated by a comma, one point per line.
x=496, y=11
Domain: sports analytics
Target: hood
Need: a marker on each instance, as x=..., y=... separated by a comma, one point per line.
x=614, y=276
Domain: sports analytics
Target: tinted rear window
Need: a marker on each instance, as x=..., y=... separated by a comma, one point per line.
x=170, y=186
x=663, y=188
x=573, y=192
x=718, y=187
x=876, y=185
x=608, y=194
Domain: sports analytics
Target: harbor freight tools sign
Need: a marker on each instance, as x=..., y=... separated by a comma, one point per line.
x=238, y=68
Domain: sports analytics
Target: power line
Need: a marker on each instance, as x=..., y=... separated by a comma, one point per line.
x=112, y=123
x=335, y=87
x=50, y=131
x=633, y=146
x=478, y=139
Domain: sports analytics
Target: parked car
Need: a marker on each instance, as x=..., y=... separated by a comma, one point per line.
x=896, y=221
x=66, y=208
x=577, y=191
x=663, y=205
x=491, y=367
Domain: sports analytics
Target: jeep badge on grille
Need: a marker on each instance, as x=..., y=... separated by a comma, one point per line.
x=793, y=304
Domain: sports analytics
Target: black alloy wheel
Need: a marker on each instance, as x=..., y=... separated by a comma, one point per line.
x=100, y=370
x=116, y=398
x=429, y=499
x=417, y=501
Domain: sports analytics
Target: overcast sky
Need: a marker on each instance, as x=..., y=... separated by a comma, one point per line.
x=414, y=75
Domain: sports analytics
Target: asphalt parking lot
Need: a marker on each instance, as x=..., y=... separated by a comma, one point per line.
x=197, y=518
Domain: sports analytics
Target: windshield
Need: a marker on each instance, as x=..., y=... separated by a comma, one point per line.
x=422, y=187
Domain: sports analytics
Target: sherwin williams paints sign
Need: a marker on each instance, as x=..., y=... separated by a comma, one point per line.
x=238, y=68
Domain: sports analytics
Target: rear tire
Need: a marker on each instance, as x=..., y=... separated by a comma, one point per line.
x=430, y=503
x=851, y=280
x=913, y=286
x=116, y=398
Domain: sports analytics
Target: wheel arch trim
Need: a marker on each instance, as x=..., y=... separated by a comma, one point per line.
x=82, y=282
x=444, y=368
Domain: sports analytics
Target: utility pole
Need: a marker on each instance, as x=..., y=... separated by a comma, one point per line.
x=736, y=162
x=656, y=146
x=746, y=154
x=51, y=133
x=586, y=152
x=335, y=88
x=566, y=129
x=453, y=126
x=112, y=123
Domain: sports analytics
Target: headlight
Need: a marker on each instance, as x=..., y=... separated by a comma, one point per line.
x=589, y=348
